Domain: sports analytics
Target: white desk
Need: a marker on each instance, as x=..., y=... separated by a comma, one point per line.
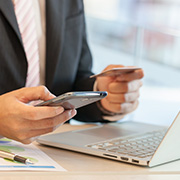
x=86, y=167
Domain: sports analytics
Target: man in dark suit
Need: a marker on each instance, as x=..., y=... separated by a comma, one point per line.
x=68, y=64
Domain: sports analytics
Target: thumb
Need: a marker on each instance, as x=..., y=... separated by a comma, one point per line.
x=111, y=66
x=28, y=94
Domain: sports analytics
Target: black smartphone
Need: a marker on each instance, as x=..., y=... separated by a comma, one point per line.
x=74, y=100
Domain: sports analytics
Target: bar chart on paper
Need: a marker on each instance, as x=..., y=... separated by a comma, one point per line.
x=40, y=160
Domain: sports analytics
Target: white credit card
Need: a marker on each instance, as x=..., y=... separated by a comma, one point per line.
x=116, y=71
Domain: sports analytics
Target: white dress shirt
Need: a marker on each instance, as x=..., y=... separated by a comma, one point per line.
x=40, y=18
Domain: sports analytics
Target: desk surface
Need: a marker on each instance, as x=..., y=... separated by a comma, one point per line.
x=81, y=166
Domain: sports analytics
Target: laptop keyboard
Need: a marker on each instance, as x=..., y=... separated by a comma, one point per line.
x=141, y=146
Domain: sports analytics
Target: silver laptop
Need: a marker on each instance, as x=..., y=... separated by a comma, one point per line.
x=131, y=142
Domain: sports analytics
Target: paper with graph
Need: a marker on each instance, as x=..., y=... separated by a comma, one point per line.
x=41, y=161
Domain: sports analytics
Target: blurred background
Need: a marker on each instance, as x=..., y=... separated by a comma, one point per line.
x=144, y=33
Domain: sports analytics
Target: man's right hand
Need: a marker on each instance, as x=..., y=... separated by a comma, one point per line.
x=22, y=122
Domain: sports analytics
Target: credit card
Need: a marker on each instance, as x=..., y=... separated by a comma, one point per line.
x=116, y=71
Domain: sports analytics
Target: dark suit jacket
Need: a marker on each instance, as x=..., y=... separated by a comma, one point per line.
x=68, y=59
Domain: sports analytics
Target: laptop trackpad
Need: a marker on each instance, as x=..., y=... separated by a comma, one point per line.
x=107, y=132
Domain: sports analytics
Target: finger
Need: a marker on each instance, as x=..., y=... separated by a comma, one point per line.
x=123, y=87
x=131, y=96
x=128, y=107
x=37, y=113
x=26, y=95
x=134, y=85
x=51, y=122
x=118, y=87
x=118, y=107
x=112, y=107
x=138, y=74
x=122, y=98
x=111, y=66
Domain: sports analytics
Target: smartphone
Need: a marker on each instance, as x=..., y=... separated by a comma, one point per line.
x=116, y=71
x=74, y=100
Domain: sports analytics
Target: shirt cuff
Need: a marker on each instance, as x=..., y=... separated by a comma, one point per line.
x=110, y=116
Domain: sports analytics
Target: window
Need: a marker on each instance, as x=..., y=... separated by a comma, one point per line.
x=144, y=33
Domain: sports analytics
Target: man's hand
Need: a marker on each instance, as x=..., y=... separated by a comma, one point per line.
x=22, y=122
x=123, y=90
